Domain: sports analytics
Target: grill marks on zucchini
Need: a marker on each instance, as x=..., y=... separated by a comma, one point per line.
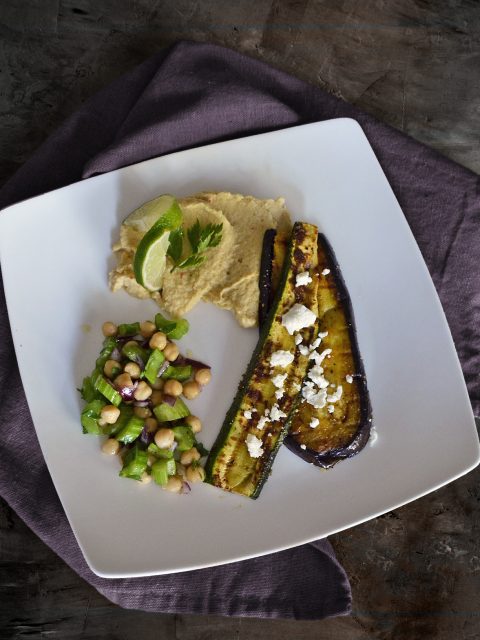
x=229, y=465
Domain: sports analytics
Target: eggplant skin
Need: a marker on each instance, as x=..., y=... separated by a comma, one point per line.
x=341, y=443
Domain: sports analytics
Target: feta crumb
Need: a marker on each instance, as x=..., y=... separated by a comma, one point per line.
x=315, y=343
x=303, y=350
x=247, y=414
x=330, y=408
x=281, y=358
x=325, y=272
x=254, y=446
x=320, y=357
x=317, y=399
x=298, y=339
x=279, y=393
x=296, y=386
x=276, y=413
x=303, y=446
x=262, y=422
x=279, y=380
x=298, y=317
x=336, y=395
x=323, y=334
x=314, y=422
x=303, y=279
x=349, y=378
x=316, y=376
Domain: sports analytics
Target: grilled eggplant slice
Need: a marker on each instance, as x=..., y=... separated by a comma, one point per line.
x=230, y=464
x=344, y=432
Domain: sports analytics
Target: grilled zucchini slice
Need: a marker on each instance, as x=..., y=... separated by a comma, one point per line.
x=230, y=466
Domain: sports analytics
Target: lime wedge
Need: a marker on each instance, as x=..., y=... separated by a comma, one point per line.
x=163, y=210
x=150, y=258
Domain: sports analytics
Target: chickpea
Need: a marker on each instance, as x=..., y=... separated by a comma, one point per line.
x=191, y=389
x=143, y=391
x=158, y=384
x=158, y=341
x=151, y=459
x=189, y=456
x=111, y=447
x=109, y=414
x=195, y=474
x=156, y=397
x=147, y=329
x=173, y=388
x=164, y=438
x=111, y=368
x=109, y=329
x=142, y=412
x=174, y=484
x=145, y=478
x=151, y=425
x=171, y=352
x=132, y=369
x=194, y=422
x=123, y=380
x=203, y=376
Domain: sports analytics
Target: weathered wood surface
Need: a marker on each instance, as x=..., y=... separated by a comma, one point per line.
x=413, y=63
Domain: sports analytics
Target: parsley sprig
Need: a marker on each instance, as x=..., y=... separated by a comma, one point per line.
x=200, y=239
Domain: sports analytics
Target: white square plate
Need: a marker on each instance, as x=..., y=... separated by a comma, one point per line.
x=55, y=253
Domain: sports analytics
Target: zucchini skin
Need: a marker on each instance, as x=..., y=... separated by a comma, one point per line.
x=337, y=441
x=265, y=281
x=229, y=454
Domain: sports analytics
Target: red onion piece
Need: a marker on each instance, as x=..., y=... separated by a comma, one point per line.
x=196, y=364
x=127, y=392
x=146, y=437
x=163, y=368
x=170, y=400
x=141, y=403
x=186, y=487
x=116, y=355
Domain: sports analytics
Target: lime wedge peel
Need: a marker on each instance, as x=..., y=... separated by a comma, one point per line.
x=158, y=217
x=163, y=210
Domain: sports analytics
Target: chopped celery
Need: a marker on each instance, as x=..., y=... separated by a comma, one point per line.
x=131, y=430
x=109, y=345
x=159, y=453
x=153, y=365
x=180, y=373
x=165, y=413
x=90, y=416
x=134, y=463
x=184, y=437
x=161, y=469
x=174, y=329
x=126, y=412
x=135, y=353
x=126, y=330
x=106, y=389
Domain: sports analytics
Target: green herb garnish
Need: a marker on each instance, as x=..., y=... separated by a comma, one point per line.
x=200, y=239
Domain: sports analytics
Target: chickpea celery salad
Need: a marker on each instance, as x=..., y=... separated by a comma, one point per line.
x=134, y=399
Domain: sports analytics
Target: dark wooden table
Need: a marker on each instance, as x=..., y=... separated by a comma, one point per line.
x=415, y=64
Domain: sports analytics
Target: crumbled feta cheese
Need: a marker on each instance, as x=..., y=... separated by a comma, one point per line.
x=281, y=358
x=298, y=339
x=303, y=446
x=316, y=376
x=279, y=380
x=298, y=317
x=279, y=393
x=314, y=422
x=276, y=413
x=303, y=350
x=317, y=399
x=349, y=378
x=254, y=446
x=320, y=357
x=263, y=420
x=296, y=386
x=325, y=272
x=336, y=395
x=330, y=408
x=303, y=279
x=315, y=343
x=247, y=414
x=323, y=334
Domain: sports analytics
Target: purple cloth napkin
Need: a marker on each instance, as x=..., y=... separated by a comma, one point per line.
x=194, y=94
